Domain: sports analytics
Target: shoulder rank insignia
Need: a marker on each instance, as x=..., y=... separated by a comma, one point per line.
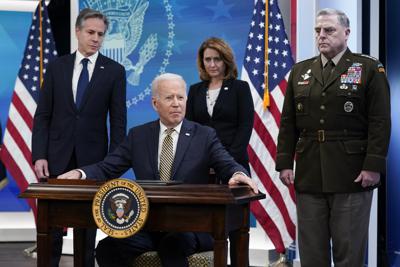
x=381, y=68
x=368, y=56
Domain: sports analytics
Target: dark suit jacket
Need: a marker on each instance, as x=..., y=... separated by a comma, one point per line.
x=2, y=169
x=355, y=115
x=197, y=150
x=60, y=128
x=232, y=117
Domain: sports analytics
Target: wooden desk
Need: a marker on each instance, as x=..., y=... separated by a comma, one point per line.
x=217, y=209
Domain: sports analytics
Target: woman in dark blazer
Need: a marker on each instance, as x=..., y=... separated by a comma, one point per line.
x=220, y=100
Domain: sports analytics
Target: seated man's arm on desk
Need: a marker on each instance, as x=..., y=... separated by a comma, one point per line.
x=242, y=178
x=114, y=164
x=226, y=166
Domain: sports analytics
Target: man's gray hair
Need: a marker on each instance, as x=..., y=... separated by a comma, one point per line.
x=165, y=77
x=341, y=16
x=88, y=13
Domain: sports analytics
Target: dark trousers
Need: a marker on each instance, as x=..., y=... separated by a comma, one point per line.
x=338, y=219
x=58, y=233
x=173, y=248
x=57, y=244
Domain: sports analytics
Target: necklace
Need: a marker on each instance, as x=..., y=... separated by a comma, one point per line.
x=211, y=97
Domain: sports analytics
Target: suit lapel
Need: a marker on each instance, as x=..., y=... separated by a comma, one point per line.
x=69, y=69
x=316, y=69
x=152, y=145
x=98, y=73
x=222, y=96
x=185, y=136
x=342, y=66
x=203, y=99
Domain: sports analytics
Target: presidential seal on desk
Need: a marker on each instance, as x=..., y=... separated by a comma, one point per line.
x=120, y=208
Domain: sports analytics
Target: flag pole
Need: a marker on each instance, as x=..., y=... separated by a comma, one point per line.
x=41, y=42
x=266, y=89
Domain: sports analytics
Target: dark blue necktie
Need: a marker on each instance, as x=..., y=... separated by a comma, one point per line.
x=82, y=82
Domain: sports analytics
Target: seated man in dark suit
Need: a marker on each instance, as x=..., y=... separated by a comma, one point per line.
x=170, y=148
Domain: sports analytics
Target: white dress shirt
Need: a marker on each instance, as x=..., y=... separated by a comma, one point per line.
x=163, y=134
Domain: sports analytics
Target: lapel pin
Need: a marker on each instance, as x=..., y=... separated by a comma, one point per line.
x=101, y=67
x=225, y=88
x=187, y=134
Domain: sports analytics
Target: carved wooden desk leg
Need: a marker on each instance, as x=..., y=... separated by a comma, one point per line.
x=242, y=244
x=79, y=247
x=43, y=236
x=220, y=238
x=220, y=254
x=239, y=245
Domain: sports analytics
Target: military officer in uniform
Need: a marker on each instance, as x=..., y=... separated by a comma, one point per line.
x=336, y=120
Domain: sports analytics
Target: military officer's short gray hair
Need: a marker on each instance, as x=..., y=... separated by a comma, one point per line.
x=342, y=17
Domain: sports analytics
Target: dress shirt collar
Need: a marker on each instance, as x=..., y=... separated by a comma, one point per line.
x=176, y=128
x=79, y=57
x=335, y=59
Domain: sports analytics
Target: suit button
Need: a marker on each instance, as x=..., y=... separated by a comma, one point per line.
x=323, y=94
x=321, y=121
x=322, y=107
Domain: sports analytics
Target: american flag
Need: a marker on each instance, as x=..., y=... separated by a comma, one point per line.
x=269, y=61
x=16, y=148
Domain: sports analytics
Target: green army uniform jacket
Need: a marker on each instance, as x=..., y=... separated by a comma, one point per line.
x=335, y=130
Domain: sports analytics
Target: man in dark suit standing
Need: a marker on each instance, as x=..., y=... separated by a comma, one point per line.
x=170, y=148
x=3, y=176
x=70, y=124
x=336, y=119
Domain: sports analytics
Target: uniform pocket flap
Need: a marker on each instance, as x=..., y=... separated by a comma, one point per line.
x=355, y=146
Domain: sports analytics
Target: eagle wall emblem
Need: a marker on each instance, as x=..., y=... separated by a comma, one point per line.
x=124, y=33
x=141, y=37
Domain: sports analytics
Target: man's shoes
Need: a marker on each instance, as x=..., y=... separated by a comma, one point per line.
x=31, y=251
x=281, y=262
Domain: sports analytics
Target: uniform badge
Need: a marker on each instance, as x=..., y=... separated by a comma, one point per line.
x=353, y=74
x=343, y=86
x=306, y=75
x=120, y=208
x=354, y=87
x=348, y=106
x=303, y=82
x=299, y=107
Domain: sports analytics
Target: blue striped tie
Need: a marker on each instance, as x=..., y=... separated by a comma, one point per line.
x=82, y=82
